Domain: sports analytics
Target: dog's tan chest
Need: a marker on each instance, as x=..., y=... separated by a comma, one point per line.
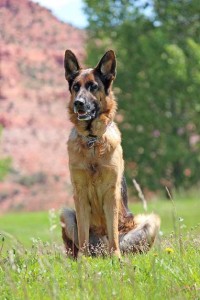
x=94, y=175
x=93, y=168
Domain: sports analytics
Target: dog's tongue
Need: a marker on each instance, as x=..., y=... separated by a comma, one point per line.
x=81, y=112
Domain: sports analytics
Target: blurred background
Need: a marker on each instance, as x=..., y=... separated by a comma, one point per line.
x=157, y=44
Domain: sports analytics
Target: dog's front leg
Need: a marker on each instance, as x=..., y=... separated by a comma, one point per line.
x=111, y=210
x=83, y=209
x=83, y=222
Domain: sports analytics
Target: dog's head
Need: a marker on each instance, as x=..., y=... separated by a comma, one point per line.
x=89, y=87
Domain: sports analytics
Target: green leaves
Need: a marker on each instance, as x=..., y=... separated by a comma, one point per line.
x=158, y=77
x=176, y=62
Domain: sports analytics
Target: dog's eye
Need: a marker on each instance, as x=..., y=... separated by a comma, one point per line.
x=93, y=87
x=76, y=87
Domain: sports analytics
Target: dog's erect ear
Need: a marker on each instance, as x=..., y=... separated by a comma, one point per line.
x=71, y=65
x=107, y=68
x=107, y=65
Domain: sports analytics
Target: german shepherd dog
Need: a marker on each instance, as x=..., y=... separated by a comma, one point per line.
x=101, y=215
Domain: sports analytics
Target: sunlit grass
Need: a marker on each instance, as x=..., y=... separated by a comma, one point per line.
x=34, y=266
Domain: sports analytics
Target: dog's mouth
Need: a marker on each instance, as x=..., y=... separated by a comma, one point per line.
x=85, y=115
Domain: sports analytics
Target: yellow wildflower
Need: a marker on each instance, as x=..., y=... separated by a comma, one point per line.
x=169, y=250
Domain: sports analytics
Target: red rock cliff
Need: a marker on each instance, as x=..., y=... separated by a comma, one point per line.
x=33, y=99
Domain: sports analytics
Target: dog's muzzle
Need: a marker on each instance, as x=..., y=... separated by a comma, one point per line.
x=85, y=111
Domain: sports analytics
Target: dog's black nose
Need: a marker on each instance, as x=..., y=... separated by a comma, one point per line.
x=79, y=103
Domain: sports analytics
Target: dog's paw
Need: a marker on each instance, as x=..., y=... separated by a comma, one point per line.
x=83, y=254
x=116, y=258
x=116, y=254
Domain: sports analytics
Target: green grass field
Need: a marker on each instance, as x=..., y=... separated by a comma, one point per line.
x=34, y=266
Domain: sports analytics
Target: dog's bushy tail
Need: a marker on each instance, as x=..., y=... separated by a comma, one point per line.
x=142, y=236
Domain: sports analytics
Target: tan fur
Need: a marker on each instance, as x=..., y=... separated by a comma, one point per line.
x=96, y=177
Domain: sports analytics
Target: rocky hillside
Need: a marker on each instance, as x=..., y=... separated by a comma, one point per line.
x=33, y=100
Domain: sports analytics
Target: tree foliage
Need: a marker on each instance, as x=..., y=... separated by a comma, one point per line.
x=158, y=50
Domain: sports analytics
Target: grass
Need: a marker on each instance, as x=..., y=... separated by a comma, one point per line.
x=33, y=265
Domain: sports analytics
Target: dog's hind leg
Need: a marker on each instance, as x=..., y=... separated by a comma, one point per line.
x=97, y=245
x=141, y=238
x=69, y=231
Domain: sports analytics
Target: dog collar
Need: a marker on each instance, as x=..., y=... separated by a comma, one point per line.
x=91, y=140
